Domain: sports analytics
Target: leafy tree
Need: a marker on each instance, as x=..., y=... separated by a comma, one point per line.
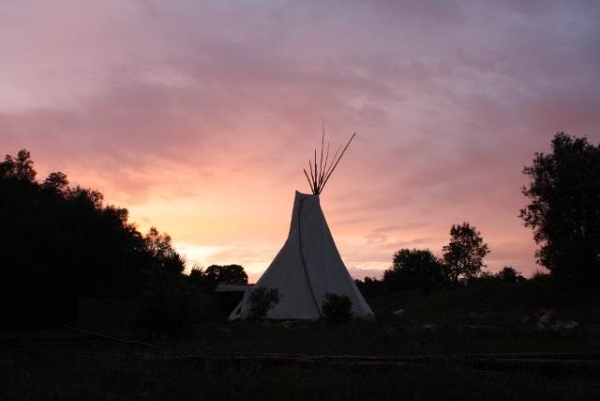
x=38, y=281
x=229, y=274
x=20, y=167
x=59, y=241
x=465, y=252
x=174, y=263
x=159, y=245
x=509, y=275
x=56, y=182
x=162, y=252
x=564, y=208
x=196, y=277
x=413, y=268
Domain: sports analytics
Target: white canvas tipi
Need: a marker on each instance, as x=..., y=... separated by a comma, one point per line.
x=308, y=266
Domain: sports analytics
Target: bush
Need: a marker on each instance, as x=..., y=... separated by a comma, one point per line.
x=337, y=308
x=413, y=268
x=262, y=299
x=509, y=275
x=171, y=308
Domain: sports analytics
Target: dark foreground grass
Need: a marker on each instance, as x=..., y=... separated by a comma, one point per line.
x=97, y=371
x=387, y=338
x=439, y=350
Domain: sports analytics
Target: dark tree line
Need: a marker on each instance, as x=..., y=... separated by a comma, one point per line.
x=564, y=214
x=58, y=241
x=462, y=261
x=460, y=264
x=213, y=275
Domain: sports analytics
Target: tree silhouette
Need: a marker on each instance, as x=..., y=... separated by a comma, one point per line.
x=413, y=268
x=56, y=182
x=229, y=274
x=465, y=252
x=564, y=208
x=510, y=275
x=162, y=252
x=20, y=167
x=59, y=241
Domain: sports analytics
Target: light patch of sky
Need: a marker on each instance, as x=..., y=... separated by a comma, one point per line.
x=196, y=255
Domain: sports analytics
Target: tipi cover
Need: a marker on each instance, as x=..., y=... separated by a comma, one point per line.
x=306, y=268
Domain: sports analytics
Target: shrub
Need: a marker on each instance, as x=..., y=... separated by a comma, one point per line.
x=509, y=275
x=337, y=308
x=171, y=308
x=262, y=299
x=540, y=275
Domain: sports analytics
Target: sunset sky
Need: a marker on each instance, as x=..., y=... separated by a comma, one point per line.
x=199, y=116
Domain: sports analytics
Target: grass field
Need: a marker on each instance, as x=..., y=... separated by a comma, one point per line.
x=467, y=344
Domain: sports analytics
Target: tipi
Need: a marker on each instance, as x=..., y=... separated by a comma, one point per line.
x=309, y=264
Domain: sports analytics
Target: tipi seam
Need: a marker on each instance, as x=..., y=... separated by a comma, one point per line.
x=310, y=287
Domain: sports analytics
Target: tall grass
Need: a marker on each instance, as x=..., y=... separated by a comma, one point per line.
x=84, y=372
x=446, y=329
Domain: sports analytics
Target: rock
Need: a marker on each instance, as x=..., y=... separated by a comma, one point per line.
x=564, y=327
x=398, y=313
x=548, y=318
